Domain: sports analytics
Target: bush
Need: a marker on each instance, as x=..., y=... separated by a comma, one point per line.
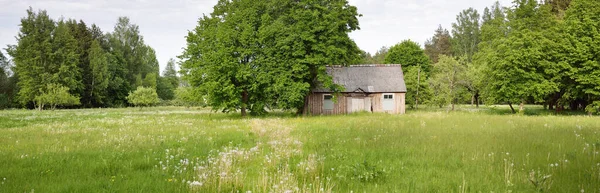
x=593, y=108
x=185, y=96
x=55, y=95
x=143, y=96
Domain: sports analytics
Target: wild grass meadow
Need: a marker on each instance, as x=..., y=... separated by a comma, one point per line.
x=193, y=150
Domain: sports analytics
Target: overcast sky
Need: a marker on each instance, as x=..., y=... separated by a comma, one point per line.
x=164, y=24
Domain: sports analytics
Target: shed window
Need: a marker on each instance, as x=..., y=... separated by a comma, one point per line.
x=327, y=102
x=388, y=102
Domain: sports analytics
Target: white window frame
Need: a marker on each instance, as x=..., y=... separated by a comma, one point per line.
x=325, y=107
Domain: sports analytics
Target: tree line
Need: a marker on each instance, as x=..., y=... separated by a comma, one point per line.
x=533, y=52
x=66, y=62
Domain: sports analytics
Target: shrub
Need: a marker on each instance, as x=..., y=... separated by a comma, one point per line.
x=185, y=96
x=54, y=95
x=143, y=96
x=593, y=108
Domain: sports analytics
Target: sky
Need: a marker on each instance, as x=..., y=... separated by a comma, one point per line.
x=164, y=24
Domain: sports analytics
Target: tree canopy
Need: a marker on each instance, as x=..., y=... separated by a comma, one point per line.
x=252, y=55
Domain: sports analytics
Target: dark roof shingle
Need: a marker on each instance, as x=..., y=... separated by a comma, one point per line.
x=369, y=78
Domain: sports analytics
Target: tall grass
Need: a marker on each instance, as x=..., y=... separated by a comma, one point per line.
x=180, y=150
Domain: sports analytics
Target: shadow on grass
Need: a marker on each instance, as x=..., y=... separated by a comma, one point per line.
x=530, y=110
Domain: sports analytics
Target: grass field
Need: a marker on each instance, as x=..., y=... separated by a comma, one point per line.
x=190, y=150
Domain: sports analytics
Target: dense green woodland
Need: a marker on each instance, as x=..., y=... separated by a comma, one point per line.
x=531, y=52
x=65, y=62
x=252, y=56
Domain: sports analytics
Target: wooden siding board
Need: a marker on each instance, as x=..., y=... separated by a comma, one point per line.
x=343, y=103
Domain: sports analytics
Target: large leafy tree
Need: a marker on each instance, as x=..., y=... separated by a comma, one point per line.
x=130, y=60
x=525, y=65
x=466, y=33
x=448, y=80
x=32, y=53
x=302, y=38
x=249, y=55
x=408, y=53
x=582, y=30
x=45, y=53
x=416, y=67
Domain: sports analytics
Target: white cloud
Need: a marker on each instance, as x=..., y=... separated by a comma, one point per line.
x=164, y=24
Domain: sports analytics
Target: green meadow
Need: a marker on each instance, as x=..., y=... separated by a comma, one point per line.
x=170, y=149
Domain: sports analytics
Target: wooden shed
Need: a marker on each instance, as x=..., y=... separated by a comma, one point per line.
x=368, y=88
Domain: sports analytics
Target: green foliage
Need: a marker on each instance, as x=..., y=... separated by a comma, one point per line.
x=523, y=64
x=439, y=44
x=170, y=74
x=250, y=55
x=143, y=96
x=150, y=80
x=412, y=81
x=55, y=95
x=408, y=53
x=416, y=68
x=593, y=108
x=377, y=58
x=46, y=53
x=165, y=89
x=447, y=81
x=188, y=97
x=99, y=74
x=466, y=32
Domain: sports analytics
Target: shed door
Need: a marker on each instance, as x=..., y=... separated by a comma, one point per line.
x=358, y=104
x=388, y=102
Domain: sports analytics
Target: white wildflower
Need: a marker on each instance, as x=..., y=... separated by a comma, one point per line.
x=196, y=183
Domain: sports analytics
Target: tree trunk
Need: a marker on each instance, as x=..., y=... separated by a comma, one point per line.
x=453, y=106
x=244, y=102
x=477, y=100
x=472, y=100
x=511, y=108
x=304, y=109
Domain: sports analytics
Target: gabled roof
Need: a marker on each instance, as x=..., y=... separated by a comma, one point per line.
x=368, y=78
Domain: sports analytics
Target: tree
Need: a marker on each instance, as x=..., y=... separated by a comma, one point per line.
x=99, y=74
x=408, y=53
x=4, y=82
x=582, y=29
x=466, y=33
x=143, y=96
x=439, y=44
x=447, y=78
x=150, y=81
x=32, y=53
x=129, y=60
x=55, y=95
x=250, y=55
x=186, y=96
x=83, y=37
x=524, y=65
x=65, y=67
x=45, y=53
x=416, y=67
x=377, y=58
x=170, y=74
x=164, y=89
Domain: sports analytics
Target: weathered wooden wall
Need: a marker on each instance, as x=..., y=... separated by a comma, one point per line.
x=315, y=105
x=343, y=104
x=377, y=100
